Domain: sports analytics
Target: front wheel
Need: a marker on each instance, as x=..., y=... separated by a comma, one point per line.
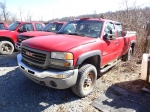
x=6, y=47
x=86, y=80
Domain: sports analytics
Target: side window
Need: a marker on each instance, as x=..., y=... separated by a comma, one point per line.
x=27, y=26
x=119, y=29
x=51, y=28
x=38, y=27
x=109, y=26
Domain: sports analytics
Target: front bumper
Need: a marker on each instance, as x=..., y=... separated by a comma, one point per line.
x=48, y=77
x=17, y=46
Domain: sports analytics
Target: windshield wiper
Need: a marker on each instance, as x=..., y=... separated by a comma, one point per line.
x=60, y=33
x=71, y=33
x=76, y=34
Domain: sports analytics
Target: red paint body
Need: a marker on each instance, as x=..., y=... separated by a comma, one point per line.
x=3, y=25
x=12, y=34
x=78, y=45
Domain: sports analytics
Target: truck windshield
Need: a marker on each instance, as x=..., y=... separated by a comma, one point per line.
x=88, y=28
x=52, y=27
x=13, y=26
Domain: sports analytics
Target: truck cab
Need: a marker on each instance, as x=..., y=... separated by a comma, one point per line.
x=8, y=37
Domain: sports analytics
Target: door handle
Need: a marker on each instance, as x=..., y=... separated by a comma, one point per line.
x=116, y=42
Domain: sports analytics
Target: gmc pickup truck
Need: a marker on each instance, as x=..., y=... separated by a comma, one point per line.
x=76, y=55
x=8, y=37
x=3, y=25
x=50, y=28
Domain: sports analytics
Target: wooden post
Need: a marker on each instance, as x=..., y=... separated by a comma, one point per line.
x=144, y=67
x=148, y=70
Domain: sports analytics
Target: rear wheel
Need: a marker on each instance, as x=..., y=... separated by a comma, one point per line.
x=6, y=47
x=86, y=80
x=128, y=55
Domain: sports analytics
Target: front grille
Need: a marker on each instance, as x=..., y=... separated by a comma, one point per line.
x=20, y=38
x=32, y=56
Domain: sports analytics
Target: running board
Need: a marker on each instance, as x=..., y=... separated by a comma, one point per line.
x=108, y=67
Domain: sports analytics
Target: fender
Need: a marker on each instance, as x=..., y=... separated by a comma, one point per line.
x=132, y=45
x=86, y=55
x=6, y=38
x=133, y=42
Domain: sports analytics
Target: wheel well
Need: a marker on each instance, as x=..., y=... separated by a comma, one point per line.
x=94, y=60
x=132, y=46
x=7, y=39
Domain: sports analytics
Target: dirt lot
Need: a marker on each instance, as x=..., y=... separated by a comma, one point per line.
x=18, y=93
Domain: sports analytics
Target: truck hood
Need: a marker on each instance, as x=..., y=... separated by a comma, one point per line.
x=57, y=42
x=6, y=32
x=36, y=33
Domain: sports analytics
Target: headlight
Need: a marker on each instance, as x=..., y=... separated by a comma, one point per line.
x=65, y=75
x=62, y=55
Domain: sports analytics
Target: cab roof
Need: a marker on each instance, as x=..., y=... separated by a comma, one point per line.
x=28, y=22
x=99, y=19
x=58, y=22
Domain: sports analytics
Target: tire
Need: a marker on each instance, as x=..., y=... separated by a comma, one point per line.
x=6, y=47
x=128, y=55
x=86, y=80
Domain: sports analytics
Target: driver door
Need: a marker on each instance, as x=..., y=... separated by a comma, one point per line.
x=26, y=27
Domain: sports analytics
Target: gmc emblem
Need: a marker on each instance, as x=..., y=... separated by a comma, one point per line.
x=29, y=54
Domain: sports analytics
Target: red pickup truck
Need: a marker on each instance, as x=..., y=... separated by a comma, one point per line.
x=8, y=37
x=50, y=28
x=3, y=25
x=81, y=50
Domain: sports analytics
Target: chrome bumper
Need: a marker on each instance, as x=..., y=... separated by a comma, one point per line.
x=51, y=78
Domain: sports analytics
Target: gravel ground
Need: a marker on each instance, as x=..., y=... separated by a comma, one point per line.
x=20, y=94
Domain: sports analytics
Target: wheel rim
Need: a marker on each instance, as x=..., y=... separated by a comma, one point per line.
x=88, y=81
x=6, y=48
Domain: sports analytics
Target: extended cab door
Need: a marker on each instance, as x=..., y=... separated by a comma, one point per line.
x=123, y=42
x=109, y=46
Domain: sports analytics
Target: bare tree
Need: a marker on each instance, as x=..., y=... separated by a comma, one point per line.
x=13, y=17
x=41, y=18
x=29, y=16
x=20, y=13
x=4, y=10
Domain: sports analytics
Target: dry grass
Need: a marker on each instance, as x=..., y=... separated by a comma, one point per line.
x=126, y=75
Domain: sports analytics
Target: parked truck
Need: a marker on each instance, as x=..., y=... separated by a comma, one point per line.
x=8, y=37
x=3, y=25
x=74, y=57
x=50, y=28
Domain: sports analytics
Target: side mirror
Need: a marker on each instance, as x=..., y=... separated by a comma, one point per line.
x=111, y=35
x=19, y=30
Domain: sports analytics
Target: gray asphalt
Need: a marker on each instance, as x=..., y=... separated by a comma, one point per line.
x=20, y=94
